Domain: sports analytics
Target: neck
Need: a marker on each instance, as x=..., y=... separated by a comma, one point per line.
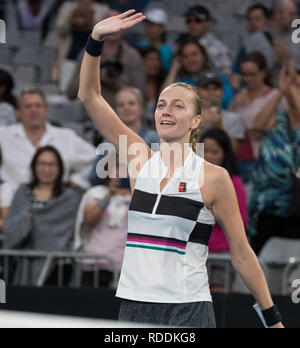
x=277, y=27
x=174, y=153
x=257, y=91
x=45, y=186
x=35, y=133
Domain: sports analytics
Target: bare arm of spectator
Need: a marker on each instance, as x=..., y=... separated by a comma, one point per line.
x=295, y=91
x=267, y=117
x=173, y=73
x=104, y=117
x=3, y=214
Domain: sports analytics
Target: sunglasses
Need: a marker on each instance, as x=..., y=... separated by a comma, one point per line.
x=195, y=20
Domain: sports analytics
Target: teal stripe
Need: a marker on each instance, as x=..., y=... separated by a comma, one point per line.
x=155, y=248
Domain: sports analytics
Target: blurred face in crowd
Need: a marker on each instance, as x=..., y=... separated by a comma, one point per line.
x=129, y=108
x=252, y=75
x=286, y=15
x=192, y=59
x=47, y=168
x=196, y=27
x=32, y=111
x=82, y=19
x=257, y=20
x=152, y=63
x=154, y=31
x=211, y=93
x=213, y=153
x=176, y=105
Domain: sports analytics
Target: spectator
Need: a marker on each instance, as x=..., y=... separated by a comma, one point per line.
x=122, y=66
x=218, y=151
x=105, y=221
x=199, y=21
x=188, y=65
x=154, y=78
x=277, y=45
x=42, y=215
x=212, y=92
x=247, y=104
x=258, y=17
x=31, y=13
x=155, y=34
x=7, y=100
x=190, y=61
x=278, y=160
x=130, y=108
x=19, y=143
x=75, y=21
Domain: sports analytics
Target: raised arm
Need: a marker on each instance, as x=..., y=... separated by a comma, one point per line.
x=104, y=117
x=226, y=211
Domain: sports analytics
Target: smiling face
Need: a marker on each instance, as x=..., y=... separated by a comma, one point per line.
x=47, y=168
x=252, y=75
x=176, y=114
x=129, y=108
x=32, y=111
x=192, y=59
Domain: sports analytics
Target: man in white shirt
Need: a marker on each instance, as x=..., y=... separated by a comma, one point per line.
x=18, y=144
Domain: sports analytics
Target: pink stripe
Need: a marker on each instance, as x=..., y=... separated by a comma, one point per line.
x=151, y=241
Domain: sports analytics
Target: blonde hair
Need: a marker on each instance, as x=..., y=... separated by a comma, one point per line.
x=197, y=101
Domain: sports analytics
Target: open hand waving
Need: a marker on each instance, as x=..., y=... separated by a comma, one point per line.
x=116, y=24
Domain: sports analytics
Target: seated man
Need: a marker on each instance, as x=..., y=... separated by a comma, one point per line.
x=211, y=89
x=18, y=144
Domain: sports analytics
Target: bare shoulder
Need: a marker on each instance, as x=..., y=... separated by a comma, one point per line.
x=215, y=181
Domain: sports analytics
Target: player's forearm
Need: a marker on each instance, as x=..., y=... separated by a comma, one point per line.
x=249, y=269
x=89, y=85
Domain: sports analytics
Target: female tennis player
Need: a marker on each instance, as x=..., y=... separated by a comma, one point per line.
x=174, y=207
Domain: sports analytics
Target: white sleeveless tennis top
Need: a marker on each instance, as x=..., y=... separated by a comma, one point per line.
x=168, y=233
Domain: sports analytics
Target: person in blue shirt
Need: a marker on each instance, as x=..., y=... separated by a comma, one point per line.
x=155, y=35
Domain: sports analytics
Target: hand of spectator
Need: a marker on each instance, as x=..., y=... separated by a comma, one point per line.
x=287, y=77
x=281, y=47
x=176, y=64
x=116, y=24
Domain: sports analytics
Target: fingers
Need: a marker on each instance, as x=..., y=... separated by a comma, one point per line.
x=132, y=21
x=125, y=14
x=133, y=18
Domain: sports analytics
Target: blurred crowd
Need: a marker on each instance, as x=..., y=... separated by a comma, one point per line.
x=53, y=194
